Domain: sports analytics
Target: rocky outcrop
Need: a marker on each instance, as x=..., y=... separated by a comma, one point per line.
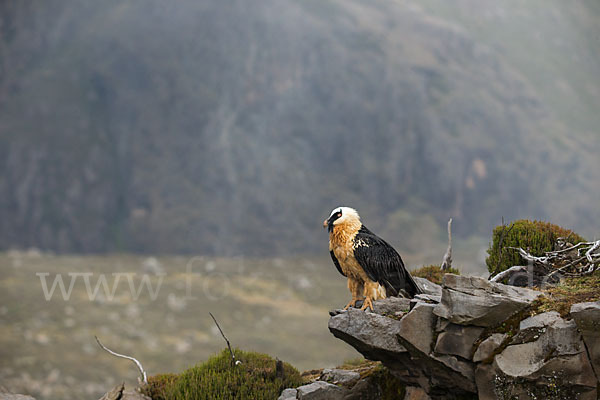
x=477, y=342
x=120, y=393
x=476, y=301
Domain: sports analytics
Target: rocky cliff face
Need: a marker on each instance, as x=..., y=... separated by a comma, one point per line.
x=474, y=339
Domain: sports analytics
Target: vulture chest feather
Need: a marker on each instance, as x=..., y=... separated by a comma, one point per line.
x=345, y=255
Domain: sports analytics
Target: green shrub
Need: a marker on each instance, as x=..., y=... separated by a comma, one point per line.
x=537, y=237
x=433, y=273
x=257, y=377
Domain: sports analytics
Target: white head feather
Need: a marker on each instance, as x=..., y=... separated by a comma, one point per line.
x=348, y=214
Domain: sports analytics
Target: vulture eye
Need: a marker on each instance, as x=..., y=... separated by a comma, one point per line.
x=339, y=214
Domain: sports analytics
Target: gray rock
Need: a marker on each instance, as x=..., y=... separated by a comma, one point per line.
x=371, y=334
x=119, y=393
x=428, y=298
x=532, y=328
x=476, y=301
x=320, y=390
x=539, y=320
x=458, y=340
x=417, y=327
x=464, y=368
x=391, y=305
x=488, y=346
x=428, y=287
x=485, y=379
x=133, y=395
x=339, y=376
x=288, y=394
x=587, y=318
x=115, y=393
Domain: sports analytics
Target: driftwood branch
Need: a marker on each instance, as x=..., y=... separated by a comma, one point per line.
x=137, y=363
x=507, y=273
x=447, y=261
x=233, y=360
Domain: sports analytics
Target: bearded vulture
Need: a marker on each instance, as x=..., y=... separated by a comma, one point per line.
x=373, y=268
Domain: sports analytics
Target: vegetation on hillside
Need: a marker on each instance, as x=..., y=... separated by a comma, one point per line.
x=257, y=377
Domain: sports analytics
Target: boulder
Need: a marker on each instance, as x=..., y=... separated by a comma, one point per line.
x=587, y=318
x=530, y=329
x=476, y=301
x=288, y=394
x=391, y=305
x=428, y=298
x=485, y=379
x=339, y=376
x=488, y=346
x=428, y=287
x=373, y=335
x=320, y=390
x=458, y=340
x=417, y=327
x=119, y=393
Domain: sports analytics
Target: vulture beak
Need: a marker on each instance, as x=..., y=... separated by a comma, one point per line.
x=325, y=224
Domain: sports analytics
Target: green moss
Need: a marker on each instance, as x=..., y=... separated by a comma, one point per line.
x=537, y=237
x=433, y=273
x=570, y=291
x=256, y=378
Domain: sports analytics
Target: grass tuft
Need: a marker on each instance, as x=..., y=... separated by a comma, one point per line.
x=433, y=273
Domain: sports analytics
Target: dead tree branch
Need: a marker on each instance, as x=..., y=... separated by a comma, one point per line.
x=572, y=261
x=233, y=360
x=137, y=363
x=506, y=273
x=447, y=261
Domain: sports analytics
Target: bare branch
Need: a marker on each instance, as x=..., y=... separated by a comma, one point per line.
x=447, y=261
x=529, y=257
x=577, y=261
x=137, y=363
x=507, y=272
x=589, y=254
x=233, y=360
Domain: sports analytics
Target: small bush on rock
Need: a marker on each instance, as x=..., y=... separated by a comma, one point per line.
x=433, y=273
x=537, y=237
x=257, y=377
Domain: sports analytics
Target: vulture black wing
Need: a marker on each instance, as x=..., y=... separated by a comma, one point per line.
x=336, y=262
x=382, y=263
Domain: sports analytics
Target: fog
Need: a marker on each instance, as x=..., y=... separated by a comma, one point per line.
x=234, y=127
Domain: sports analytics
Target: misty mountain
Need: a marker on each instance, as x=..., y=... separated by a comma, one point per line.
x=234, y=127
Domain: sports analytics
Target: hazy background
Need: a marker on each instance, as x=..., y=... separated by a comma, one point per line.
x=230, y=128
